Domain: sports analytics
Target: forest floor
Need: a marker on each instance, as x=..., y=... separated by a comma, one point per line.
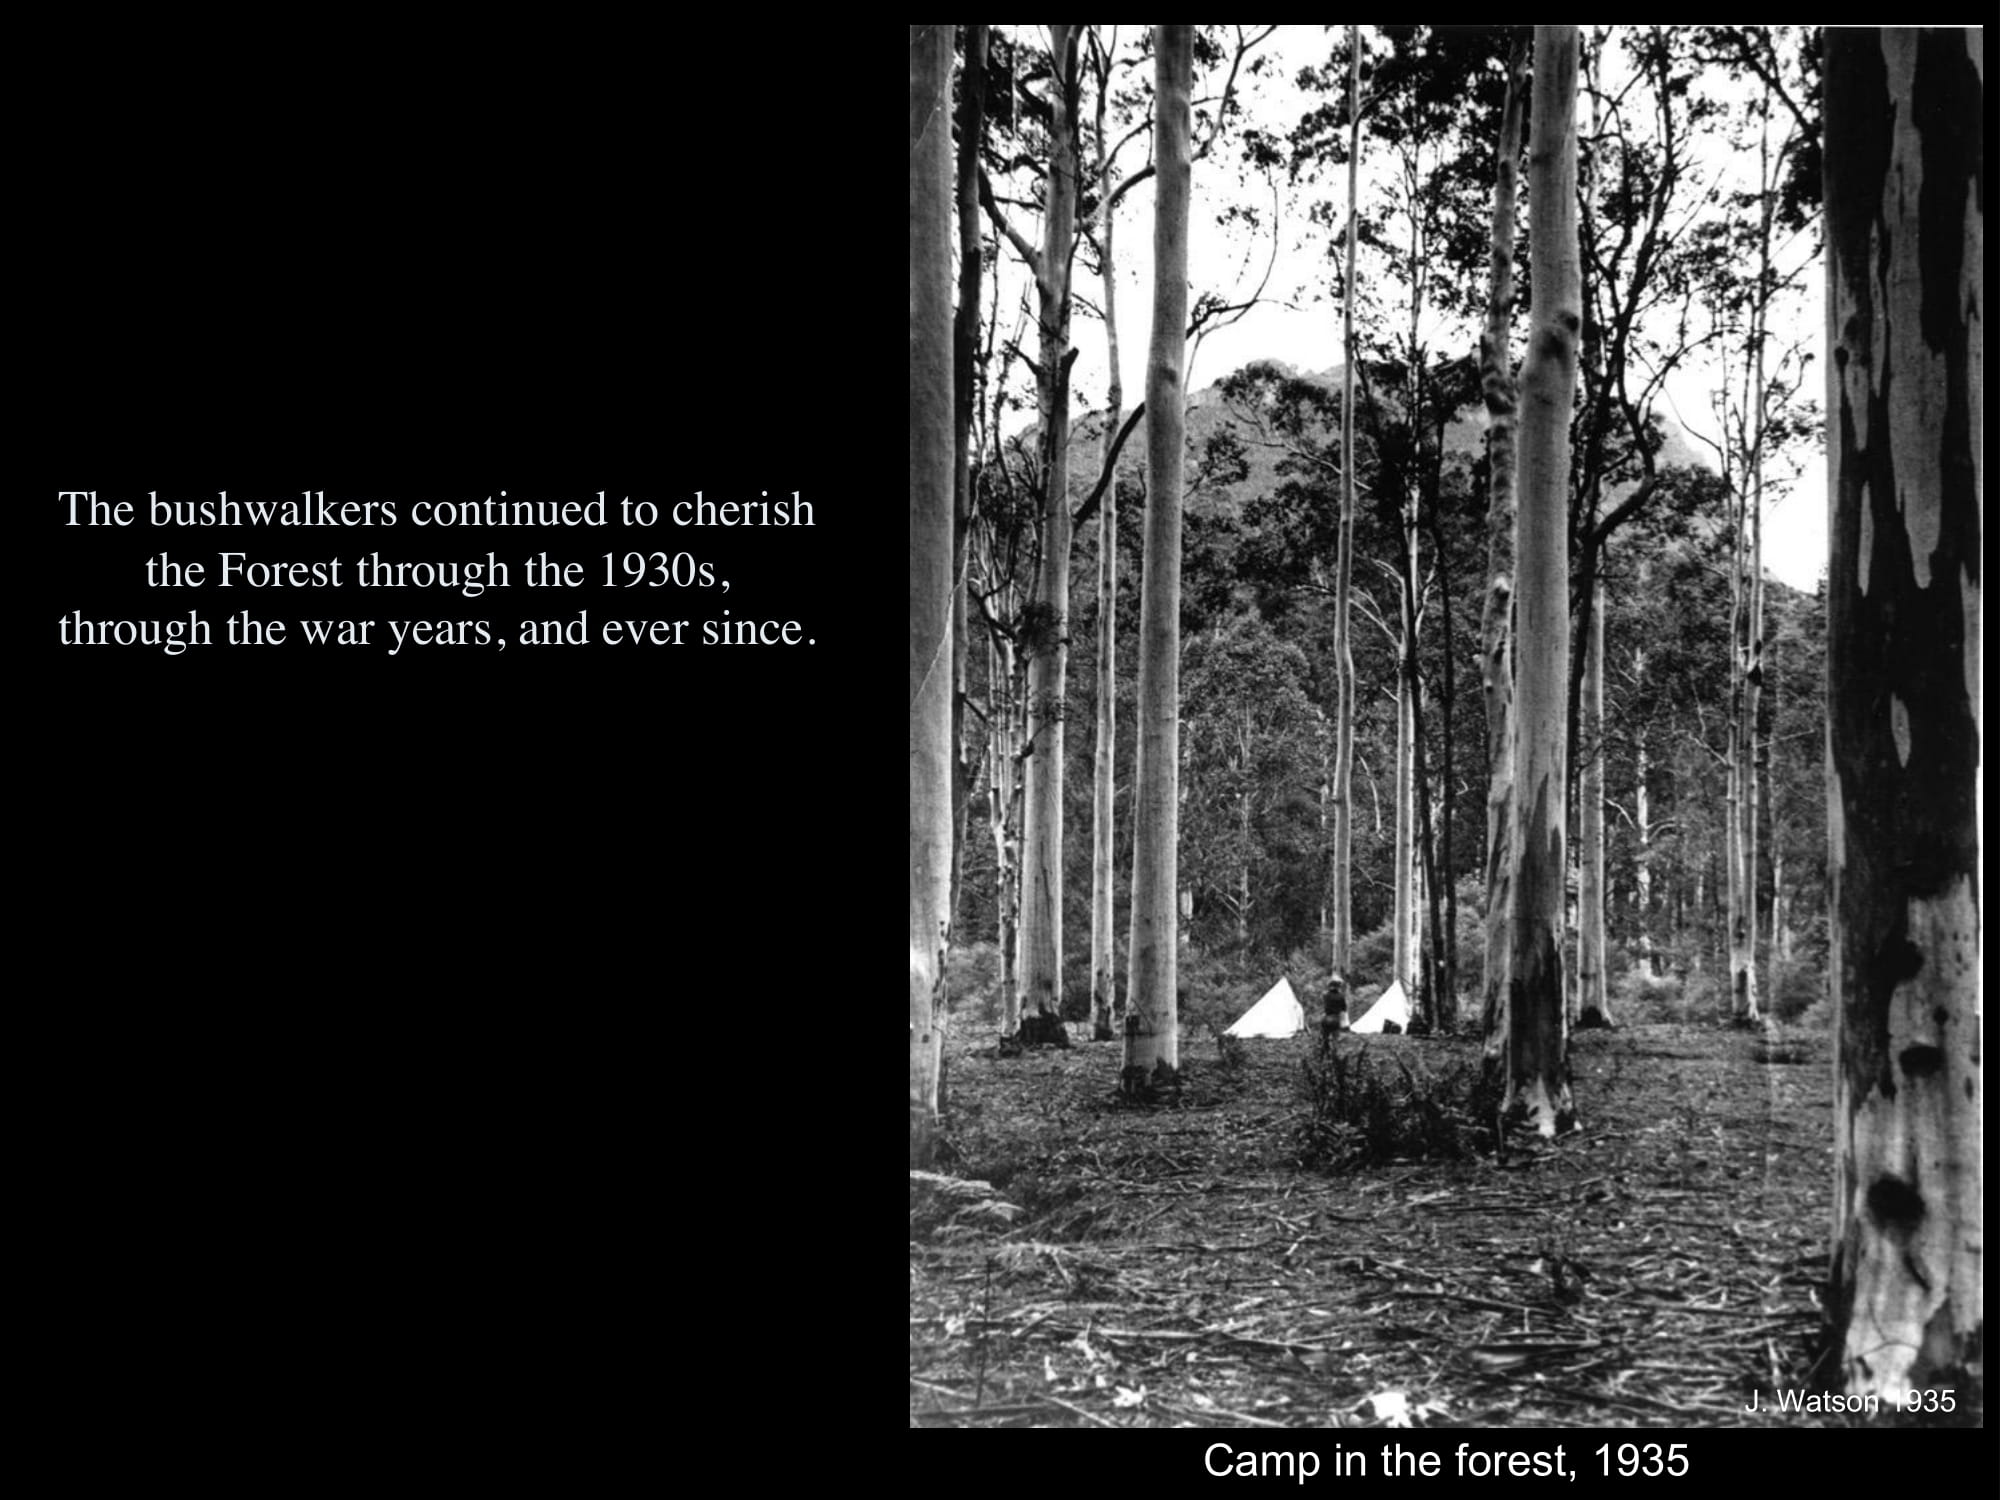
x=1177, y=1265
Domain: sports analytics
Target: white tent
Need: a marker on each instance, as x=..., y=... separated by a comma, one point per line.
x=1277, y=1014
x=1394, y=1006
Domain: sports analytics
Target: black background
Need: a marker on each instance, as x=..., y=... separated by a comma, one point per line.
x=442, y=1009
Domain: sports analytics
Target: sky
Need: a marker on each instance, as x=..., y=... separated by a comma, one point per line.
x=1298, y=324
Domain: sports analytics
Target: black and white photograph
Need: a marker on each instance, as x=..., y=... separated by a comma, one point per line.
x=1445, y=742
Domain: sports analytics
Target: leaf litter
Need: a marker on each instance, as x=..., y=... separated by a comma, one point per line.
x=1105, y=1265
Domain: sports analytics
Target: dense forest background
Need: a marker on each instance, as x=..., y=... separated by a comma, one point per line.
x=1674, y=283
x=1257, y=710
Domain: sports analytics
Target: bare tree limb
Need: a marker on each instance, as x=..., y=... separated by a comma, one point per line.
x=1089, y=507
x=1028, y=253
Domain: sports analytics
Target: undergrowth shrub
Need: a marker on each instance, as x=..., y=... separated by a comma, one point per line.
x=1371, y=958
x=1705, y=995
x=1216, y=988
x=1797, y=985
x=1308, y=973
x=1818, y=1016
x=972, y=982
x=1360, y=1111
x=1639, y=996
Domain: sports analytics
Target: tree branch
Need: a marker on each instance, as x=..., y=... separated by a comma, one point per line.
x=1138, y=176
x=1089, y=507
x=1624, y=510
x=1747, y=55
x=1243, y=48
x=1028, y=253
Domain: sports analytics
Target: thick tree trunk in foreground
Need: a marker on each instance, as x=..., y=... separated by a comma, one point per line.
x=1905, y=320
x=930, y=566
x=1496, y=375
x=1152, y=1008
x=1042, y=835
x=1593, y=998
x=1537, y=1074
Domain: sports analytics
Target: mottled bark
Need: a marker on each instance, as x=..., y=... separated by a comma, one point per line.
x=930, y=567
x=1905, y=323
x=1496, y=615
x=1152, y=1010
x=1537, y=1080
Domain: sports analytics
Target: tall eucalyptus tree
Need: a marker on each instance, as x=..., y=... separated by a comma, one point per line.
x=1537, y=1069
x=930, y=566
x=1152, y=1011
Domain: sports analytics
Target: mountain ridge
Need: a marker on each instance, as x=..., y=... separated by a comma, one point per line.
x=1208, y=412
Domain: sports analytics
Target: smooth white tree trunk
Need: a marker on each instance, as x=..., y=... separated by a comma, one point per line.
x=1152, y=1011
x=930, y=567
